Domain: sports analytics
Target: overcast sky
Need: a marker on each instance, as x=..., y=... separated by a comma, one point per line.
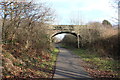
x=90, y=10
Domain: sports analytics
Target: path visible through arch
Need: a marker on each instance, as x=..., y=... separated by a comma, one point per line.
x=68, y=67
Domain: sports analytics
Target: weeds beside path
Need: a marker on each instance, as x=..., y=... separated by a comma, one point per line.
x=29, y=66
x=98, y=66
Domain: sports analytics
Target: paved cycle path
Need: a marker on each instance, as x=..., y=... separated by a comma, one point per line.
x=68, y=67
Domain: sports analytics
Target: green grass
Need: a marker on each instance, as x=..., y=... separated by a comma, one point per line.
x=55, y=50
x=67, y=47
x=101, y=63
x=54, y=54
x=53, y=57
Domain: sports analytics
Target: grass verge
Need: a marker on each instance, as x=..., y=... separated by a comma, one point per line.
x=102, y=63
x=98, y=66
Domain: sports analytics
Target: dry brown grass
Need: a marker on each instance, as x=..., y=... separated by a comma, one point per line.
x=98, y=38
x=107, y=44
x=108, y=32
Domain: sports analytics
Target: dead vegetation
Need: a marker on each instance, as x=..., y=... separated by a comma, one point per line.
x=99, y=49
x=26, y=50
x=97, y=37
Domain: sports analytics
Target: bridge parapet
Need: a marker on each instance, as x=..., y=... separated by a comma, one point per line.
x=66, y=27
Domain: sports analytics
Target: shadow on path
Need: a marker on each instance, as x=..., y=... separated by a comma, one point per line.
x=68, y=67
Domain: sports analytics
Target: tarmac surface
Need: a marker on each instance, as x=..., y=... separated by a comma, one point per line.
x=68, y=67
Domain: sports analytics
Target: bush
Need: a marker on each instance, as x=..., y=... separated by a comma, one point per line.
x=98, y=38
x=70, y=40
x=106, y=23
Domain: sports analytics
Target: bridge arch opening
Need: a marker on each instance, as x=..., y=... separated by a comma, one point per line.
x=78, y=37
x=60, y=37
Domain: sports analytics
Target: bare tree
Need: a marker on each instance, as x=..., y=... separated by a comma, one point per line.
x=25, y=16
x=115, y=5
x=76, y=19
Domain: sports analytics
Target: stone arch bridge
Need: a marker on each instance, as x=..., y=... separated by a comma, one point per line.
x=54, y=30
